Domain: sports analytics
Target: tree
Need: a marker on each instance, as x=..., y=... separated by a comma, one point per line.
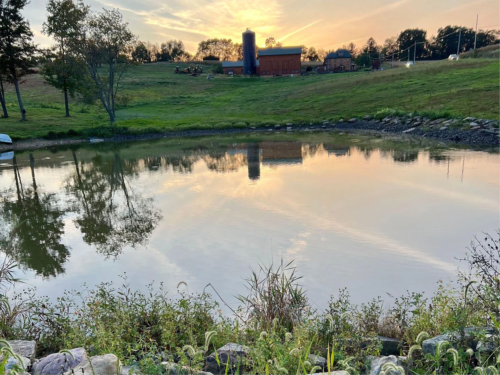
x=409, y=37
x=105, y=48
x=64, y=23
x=238, y=51
x=304, y=53
x=141, y=53
x=172, y=50
x=221, y=48
x=272, y=43
x=371, y=48
x=364, y=60
x=390, y=46
x=2, y=97
x=322, y=54
x=17, y=50
x=351, y=47
x=312, y=55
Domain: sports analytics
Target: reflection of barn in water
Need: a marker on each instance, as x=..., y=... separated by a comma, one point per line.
x=336, y=150
x=279, y=153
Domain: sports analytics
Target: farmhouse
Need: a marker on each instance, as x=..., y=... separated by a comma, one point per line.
x=280, y=61
x=338, y=62
x=235, y=67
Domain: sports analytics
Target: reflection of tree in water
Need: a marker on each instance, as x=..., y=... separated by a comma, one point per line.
x=224, y=162
x=311, y=149
x=36, y=242
x=405, y=156
x=438, y=156
x=110, y=214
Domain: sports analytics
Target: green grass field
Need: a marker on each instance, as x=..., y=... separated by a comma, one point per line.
x=159, y=100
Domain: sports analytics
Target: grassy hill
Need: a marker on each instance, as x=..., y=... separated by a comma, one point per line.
x=153, y=98
x=489, y=52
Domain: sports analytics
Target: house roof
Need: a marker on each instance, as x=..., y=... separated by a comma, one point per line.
x=280, y=51
x=235, y=64
x=341, y=53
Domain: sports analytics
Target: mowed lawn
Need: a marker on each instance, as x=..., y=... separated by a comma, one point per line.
x=156, y=99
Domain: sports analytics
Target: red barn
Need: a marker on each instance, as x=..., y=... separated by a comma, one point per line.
x=282, y=61
x=235, y=67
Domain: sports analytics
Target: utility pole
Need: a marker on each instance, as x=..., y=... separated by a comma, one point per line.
x=415, y=54
x=409, y=54
x=458, y=47
x=475, y=37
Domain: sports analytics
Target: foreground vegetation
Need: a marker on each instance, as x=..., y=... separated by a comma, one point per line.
x=275, y=321
x=154, y=99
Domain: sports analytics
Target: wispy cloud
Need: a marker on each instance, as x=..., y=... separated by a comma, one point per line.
x=283, y=38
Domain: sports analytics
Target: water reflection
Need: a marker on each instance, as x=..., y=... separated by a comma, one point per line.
x=112, y=197
x=37, y=226
x=110, y=213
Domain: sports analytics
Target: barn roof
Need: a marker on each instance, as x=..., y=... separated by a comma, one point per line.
x=280, y=51
x=341, y=53
x=235, y=64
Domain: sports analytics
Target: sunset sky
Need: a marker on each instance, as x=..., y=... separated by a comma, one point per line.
x=326, y=24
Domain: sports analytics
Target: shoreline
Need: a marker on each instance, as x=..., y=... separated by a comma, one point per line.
x=474, y=137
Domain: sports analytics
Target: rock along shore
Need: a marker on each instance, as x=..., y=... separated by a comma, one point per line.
x=469, y=131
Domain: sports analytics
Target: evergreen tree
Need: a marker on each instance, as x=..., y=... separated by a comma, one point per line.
x=17, y=51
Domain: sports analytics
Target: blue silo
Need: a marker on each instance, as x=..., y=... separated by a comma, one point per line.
x=249, y=59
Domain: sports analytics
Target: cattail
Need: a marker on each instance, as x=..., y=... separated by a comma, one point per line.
x=288, y=336
x=189, y=349
x=469, y=352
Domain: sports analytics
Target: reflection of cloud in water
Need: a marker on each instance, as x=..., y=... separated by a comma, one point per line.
x=453, y=195
x=373, y=239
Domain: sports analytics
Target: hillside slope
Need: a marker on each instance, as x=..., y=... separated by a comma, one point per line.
x=153, y=98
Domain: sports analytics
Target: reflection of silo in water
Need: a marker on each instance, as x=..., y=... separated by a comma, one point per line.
x=249, y=59
x=253, y=156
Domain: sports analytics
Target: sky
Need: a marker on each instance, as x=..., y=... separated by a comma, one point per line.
x=326, y=24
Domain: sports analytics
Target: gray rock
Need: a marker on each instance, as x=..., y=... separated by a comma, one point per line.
x=24, y=348
x=429, y=346
x=175, y=369
x=341, y=120
x=443, y=128
x=233, y=353
x=289, y=129
x=472, y=124
x=408, y=130
x=353, y=120
x=390, y=346
x=376, y=363
x=289, y=124
x=52, y=364
x=317, y=360
x=107, y=364
x=277, y=126
x=14, y=362
x=475, y=128
x=368, y=117
x=470, y=119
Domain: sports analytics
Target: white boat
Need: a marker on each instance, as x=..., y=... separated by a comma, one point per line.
x=7, y=155
x=4, y=138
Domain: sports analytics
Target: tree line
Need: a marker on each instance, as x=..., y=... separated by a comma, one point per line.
x=93, y=50
x=437, y=47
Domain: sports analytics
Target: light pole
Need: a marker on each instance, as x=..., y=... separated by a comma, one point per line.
x=458, y=47
x=475, y=36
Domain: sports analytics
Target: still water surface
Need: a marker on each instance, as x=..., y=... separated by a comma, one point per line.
x=372, y=215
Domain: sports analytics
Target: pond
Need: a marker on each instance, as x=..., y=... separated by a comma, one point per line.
x=370, y=214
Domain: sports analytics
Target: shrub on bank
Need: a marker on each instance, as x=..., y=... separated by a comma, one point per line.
x=275, y=322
